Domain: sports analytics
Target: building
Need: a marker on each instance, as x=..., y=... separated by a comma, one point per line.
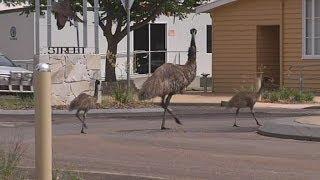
x=279, y=37
x=167, y=36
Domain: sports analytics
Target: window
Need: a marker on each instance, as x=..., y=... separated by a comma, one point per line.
x=311, y=24
x=209, y=39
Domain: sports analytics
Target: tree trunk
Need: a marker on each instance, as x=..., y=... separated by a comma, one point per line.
x=110, y=73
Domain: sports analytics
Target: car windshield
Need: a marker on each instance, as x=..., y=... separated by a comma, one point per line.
x=4, y=61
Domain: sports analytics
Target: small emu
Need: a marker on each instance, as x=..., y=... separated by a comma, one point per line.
x=84, y=102
x=170, y=79
x=246, y=100
x=64, y=12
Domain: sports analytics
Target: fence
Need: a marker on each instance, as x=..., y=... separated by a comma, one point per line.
x=298, y=73
x=143, y=63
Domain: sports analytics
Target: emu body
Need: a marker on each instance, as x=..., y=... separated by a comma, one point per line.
x=170, y=79
x=84, y=102
x=246, y=100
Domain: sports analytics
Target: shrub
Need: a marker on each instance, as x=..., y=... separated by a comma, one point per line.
x=122, y=95
x=287, y=95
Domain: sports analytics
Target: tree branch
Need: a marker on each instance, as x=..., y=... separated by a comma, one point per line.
x=137, y=25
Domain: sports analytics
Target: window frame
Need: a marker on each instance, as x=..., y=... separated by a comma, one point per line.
x=304, y=28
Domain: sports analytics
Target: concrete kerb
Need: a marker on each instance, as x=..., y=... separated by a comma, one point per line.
x=287, y=128
x=93, y=111
x=97, y=175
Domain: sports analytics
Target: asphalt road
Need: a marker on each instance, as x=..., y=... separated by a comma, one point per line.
x=205, y=147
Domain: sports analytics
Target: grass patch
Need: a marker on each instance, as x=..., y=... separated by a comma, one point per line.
x=11, y=154
x=17, y=102
x=287, y=95
x=122, y=98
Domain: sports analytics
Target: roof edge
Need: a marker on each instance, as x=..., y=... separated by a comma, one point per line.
x=209, y=6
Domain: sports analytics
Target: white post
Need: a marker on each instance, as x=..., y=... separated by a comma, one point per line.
x=96, y=26
x=37, y=16
x=85, y=24
x=49, y=7
x=128, y=44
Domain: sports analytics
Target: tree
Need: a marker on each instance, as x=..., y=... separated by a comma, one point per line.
x=112, y=18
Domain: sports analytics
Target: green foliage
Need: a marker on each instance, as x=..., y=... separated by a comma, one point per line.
x=10, y=158
x=122, y=95
x=17, y=102
x=287, y=95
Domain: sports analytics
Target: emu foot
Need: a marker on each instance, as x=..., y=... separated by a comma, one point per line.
x=82, y=132
x=164, y=128
x=85, y=126
x=178, y=121
x=236, y=125
x=259, y=124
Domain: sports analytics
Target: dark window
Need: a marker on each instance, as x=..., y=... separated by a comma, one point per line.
x=209, y=38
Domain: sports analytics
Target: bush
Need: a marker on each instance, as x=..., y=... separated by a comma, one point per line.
x=122, y=95
x=287, y=95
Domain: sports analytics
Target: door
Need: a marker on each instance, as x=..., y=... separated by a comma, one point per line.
x=268, y=51
x=151, y=37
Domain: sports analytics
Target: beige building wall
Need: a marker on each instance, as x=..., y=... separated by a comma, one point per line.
x=235, y=43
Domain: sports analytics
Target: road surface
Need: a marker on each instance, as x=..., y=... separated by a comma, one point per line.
x=205, y=147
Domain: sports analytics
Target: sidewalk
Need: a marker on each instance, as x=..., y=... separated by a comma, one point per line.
x=215, y=100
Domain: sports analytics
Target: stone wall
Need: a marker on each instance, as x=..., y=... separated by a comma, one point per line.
x=71, y=75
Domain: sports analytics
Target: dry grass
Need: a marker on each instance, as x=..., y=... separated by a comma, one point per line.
x=109, y=102
x=12, y=151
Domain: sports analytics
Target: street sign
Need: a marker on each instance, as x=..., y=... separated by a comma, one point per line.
x=124, y=3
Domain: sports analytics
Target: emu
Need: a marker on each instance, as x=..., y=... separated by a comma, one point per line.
x=246, y=100
x=63, y=12
x=170, y=79
x=84, y=102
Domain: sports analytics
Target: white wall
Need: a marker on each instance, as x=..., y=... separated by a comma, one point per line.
x=22, y=48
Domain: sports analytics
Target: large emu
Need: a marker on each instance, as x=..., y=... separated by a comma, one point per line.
x=247, y=100
x=170, y=79
x=64, y=12
x=84, y=102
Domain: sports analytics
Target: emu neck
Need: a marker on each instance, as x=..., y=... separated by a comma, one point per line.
x=260, y=90
x=192, y=52
x=96, y=90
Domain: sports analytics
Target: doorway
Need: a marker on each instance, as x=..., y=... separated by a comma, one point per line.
x=151, y=37
x=268, y=51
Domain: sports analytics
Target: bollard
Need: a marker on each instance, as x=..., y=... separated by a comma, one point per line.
x=43, y=131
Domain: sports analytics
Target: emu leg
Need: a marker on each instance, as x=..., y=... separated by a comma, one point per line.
x=235, y=119
x=254, y=116
x=164, y=113
x=82, y=122
x=84, y=119
x=170, y=112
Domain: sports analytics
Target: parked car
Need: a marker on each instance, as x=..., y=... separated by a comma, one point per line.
x=14, y=78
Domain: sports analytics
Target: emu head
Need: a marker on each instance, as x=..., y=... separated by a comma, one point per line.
x=193, y=31
x=97, y=82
